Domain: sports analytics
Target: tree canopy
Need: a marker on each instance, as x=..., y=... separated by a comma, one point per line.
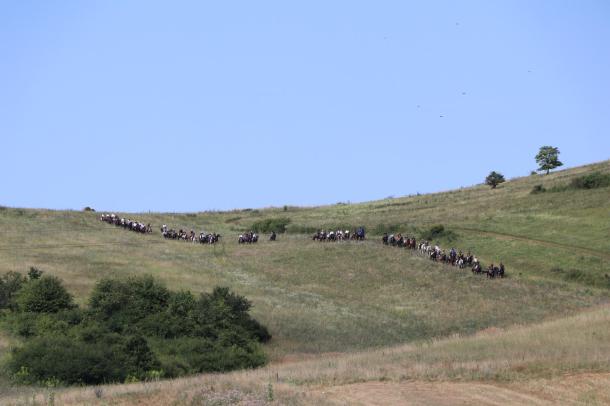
x=494, y=179
x=548, y=158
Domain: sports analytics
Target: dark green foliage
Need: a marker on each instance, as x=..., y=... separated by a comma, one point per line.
x=494, y=179
x=89, y=209
x=538, y=189
x=112, y=340
x=109, y=358
x=10, y=283
x=591, y=181
x=190, y=355
x=548, y=158
x=43, y=295
x=122, y=304
x=438, y=232
x=34, y=273
x=268, y=225
x=213, y=311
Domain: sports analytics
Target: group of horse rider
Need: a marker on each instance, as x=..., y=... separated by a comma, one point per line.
x=249, y=237
x=126, y=223
x=434, y=252
x=183, y=235
x=451, y=257
x=339, y=235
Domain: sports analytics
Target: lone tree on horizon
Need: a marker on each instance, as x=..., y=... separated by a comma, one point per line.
x=548, y=158
x=494, y=179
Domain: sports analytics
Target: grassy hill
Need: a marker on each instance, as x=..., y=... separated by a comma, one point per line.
x=318, y=298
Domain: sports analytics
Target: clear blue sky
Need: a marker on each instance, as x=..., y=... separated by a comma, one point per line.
x=193, y=105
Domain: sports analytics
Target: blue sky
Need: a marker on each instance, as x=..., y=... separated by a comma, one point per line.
x=193, y=105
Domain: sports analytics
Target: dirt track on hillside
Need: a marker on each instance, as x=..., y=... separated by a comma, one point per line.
x=581, y=389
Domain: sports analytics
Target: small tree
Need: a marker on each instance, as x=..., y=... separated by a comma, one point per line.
x=45, y=294
x=494, y=179
x=548, y=158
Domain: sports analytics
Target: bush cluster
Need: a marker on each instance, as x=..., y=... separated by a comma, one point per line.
x=538, y=189
x=133, y=329
x=591, y=181
x=438, y=232
x=268, y=225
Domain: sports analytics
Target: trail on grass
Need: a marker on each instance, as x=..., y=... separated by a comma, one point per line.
x=578, y=389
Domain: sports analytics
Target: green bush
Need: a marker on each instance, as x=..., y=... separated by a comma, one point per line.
x=591, y=181
x=44, y=295
x=268, y=225
x=437, y=232
x=111, y=358
x=538, y=189
x=214, y=310
x=10, y=283
x=122, y=304
x=34, y=273
x=134, y=328
x=191, y=355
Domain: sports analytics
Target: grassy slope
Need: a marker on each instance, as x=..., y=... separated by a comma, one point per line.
x=320, y=298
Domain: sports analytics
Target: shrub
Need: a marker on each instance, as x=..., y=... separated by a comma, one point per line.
x=10, y=283
x=268, y=225
x=223, y=310
x=538, y=189
x=134, y=329
x=34, y=273
x=109, y=359
x=123, y=303
x=89, y=209
x=44, y=295
x=437, y=232
x=191, y=355
x=591, y=181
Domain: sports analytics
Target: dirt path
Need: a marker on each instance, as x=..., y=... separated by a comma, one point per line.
x=545, y=243
x=589, y=389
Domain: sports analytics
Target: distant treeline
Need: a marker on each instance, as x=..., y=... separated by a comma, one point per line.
x=133, y=329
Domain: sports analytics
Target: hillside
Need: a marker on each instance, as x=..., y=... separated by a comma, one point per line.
x=319, y=298
x=557, y=362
